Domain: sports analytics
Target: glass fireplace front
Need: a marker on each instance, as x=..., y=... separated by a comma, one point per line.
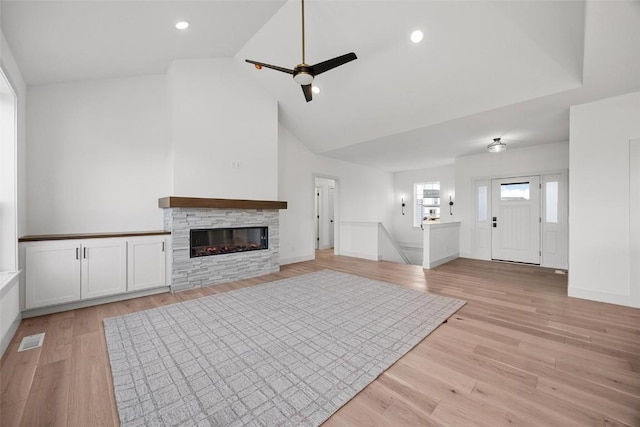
x=218, y=241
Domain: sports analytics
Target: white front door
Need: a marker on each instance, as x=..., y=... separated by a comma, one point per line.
x=515, y=218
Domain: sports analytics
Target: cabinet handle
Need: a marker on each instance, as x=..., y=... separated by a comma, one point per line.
x=84, y=253
x=162, y=246
x=77, y=249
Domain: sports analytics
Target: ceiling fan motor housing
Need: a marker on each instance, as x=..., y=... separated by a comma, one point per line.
x=303, y=74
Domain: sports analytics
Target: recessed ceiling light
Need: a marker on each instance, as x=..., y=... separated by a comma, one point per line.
x=315, y=89
x=417, y=36
x=182, y=25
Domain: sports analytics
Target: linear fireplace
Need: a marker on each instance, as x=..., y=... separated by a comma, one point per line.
x=218, y=241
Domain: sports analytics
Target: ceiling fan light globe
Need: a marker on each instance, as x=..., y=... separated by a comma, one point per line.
x=303, y=78
x=496, y=147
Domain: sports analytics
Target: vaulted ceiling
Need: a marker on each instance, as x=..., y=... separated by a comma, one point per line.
x=485, y=69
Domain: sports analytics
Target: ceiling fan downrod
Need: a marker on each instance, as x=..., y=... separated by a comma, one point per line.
x=303, y=32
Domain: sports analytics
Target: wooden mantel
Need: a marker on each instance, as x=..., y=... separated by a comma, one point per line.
x=197, y=202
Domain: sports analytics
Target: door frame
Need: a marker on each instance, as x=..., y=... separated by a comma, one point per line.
x=560, y=259
x=316, y=213
x=336, y=211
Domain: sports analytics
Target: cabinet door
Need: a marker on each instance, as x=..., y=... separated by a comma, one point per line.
x=147, y=258
x=104, y=267
x=52, y=274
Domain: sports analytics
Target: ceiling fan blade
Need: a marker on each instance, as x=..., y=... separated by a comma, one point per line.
x=273, y=67
x=333, y=63
x=306, y=89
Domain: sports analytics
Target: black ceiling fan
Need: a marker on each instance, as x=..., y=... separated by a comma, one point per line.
x=303, y=73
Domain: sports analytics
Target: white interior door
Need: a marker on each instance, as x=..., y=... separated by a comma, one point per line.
x=515, y=215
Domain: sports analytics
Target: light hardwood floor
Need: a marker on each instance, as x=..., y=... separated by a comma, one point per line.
x=520, y=352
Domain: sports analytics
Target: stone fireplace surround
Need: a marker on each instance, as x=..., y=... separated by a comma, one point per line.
x=182, y=214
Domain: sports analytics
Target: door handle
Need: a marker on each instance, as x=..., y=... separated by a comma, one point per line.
x=84, y=253
x=77, y=250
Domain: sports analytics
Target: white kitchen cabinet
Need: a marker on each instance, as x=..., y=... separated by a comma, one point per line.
x=52, y=274
x=147, y=262
x=103, y=268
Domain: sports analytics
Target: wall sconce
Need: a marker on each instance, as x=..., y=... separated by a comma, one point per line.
x=402, y=204
x=450, y=205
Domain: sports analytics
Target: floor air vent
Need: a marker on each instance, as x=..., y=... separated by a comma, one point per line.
x=32, y=341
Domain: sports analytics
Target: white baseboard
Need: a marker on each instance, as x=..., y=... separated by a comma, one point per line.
x=88, y=303
x=6, y=339
x=359, y=255
x=440, y=261
x=603, y=297
x=297, y=259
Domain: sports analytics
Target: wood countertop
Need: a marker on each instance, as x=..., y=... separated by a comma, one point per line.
x=43, y=237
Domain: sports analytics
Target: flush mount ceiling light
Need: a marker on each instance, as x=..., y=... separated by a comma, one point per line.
x=496, y=146
x=182, y=25
x=417, y=36
x=315, y=89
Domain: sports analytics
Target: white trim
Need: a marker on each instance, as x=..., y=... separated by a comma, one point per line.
x=297, y=259
x=9, y=283
x=412, y=247
x=634, y=222
x=6, y=278
x=11, y=331
x=441, y=261
x=442, y=224
x=359, y=255
x=88, y=303
x=618, y=299
x=360, y=223
x=336, y=209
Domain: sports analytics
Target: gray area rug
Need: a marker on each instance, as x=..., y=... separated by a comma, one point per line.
x=285, y=353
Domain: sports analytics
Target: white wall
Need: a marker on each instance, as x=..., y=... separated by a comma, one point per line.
x=14, y=75
x=600, y=248
x=9, y=292
x=510, y=163
x=8, y=176
x=221, y=117
x=98, y=155
x=102, y=152
x=362, y=194
x=402, y=226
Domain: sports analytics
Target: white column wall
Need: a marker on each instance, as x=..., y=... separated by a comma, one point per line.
x=224, y=132
x=10, y=316
x=600, y=255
